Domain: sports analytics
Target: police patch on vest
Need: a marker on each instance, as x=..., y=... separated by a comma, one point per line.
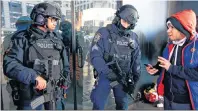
x=45, y=45
x=122, y=43
x=97, y=37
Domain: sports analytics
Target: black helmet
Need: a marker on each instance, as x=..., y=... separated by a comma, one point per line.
x=129, y=14
x=65, y=25
x=66, y=28
x=43, y=10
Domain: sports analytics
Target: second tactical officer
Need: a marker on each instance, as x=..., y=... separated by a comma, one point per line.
x=22, y=23
x=115, y=55
x=37, y=62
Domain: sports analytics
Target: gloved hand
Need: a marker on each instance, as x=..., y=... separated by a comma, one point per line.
x=64, y=81
x=131, y=86
x=112, y=76
x=67, y=82
x=64, y=93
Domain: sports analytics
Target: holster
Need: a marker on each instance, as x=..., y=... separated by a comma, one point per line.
x=26, y=91
x=15, y=91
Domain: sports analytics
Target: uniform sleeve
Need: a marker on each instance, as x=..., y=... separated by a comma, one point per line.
x=65, y=62
x=63, y=54
x=96, y=54
x=13, y=63
x=184, y=72
x=136, y=59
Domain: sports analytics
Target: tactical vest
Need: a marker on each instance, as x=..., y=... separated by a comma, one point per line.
x=119, y=48
x=45, y=56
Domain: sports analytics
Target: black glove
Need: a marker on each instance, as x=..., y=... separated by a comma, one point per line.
x=65, y=80
x=64, y=83
x=131, y=86
x=112, y=76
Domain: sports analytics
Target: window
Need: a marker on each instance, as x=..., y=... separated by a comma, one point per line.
x=2, y=9
x=58, y=3
x=68, y=14
x=81, y=7
x=29, y=8
x=15, y=7
x=15, y=12
x=2, y=15
x=2, y=22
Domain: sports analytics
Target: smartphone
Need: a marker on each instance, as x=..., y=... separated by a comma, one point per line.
x=146, y=65
x=155, y=66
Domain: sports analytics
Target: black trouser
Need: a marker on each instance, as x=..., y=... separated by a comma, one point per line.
x=50, y=105
x=169, y=105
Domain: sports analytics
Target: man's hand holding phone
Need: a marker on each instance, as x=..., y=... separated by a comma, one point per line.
x=151, y=69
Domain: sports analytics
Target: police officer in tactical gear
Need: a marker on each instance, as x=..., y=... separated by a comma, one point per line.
x=37, y=61
x=115, y=55
x=22, y=23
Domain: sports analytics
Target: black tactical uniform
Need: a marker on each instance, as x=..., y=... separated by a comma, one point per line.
x=37, y=53
x=115, y=55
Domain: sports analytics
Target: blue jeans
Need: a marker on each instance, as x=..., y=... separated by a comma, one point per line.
x=60, y=104
x=101, y=92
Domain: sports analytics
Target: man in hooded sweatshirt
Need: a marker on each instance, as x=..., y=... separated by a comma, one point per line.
x=178, y=80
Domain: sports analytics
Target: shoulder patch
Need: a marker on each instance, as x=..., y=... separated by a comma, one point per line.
x=7, y=50
x=96, y=37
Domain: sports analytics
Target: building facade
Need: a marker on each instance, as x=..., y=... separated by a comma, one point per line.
x=11, y=10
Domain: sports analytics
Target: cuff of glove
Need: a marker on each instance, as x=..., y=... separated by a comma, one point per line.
x=64, y=87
